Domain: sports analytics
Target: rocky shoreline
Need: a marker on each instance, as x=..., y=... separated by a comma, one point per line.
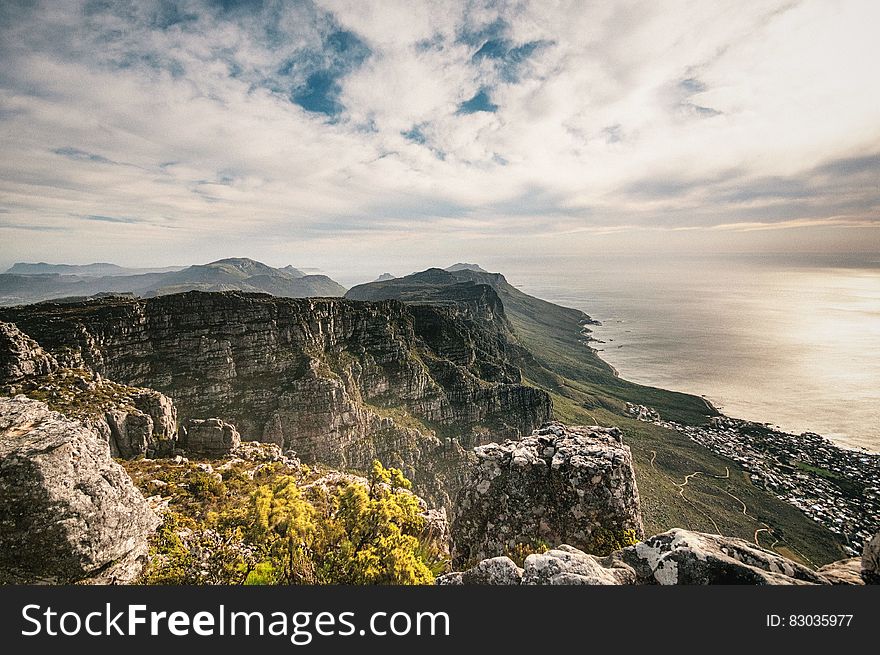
x=836, y=487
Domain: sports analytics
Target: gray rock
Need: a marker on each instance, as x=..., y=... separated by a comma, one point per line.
x=871, y=561
x=671, y=558
x=257, y=451
x=69, y=512
x=131, y=432
x=21, y=356
x=572, y=485
x=160, y=409
x=492, y=571
x=844, y=572
x=569, y=566
x=211, y=437
x=695, y=558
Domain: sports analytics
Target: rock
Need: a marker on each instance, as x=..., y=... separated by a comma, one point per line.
x=437, y=526
x=211, y=438
x=871, y=561
x=159, y=408
x=561, y=566
x=844, y=572
x=131, y=432
x=492, y=571
x=684, y=557
x=21, y=356
x=256, y=451
x=572, y=485
x=569, y=566
x=69, y=512
x=676, y=557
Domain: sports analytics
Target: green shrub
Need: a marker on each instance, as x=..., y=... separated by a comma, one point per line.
x=350, y=534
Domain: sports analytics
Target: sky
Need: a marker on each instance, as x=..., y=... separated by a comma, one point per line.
x=362, y=137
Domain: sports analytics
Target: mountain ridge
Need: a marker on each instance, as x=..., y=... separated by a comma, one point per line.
x=229, y=274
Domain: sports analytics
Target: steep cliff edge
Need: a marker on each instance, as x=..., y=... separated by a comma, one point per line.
x=339, y=382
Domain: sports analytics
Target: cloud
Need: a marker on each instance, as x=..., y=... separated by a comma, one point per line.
x=273, y=125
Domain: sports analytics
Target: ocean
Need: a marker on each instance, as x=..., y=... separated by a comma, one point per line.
x=793, y=341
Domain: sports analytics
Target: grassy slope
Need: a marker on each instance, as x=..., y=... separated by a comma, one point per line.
x=586, y=390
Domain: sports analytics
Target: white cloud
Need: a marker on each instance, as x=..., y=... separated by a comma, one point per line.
x=629, y=116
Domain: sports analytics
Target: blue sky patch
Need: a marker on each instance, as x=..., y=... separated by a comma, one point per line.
x=343, y=53
x=480, y=102
x=415, y=134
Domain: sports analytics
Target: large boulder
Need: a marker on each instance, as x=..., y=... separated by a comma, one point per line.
x=69, y=512
x=572, y=485
x=564, y=565
x=146, y=424
x=161, y=410
x=211, y=438
x=871, y=561
x=695, y=558
x=21, y=356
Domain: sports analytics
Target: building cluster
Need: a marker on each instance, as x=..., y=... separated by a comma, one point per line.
x=837, y=487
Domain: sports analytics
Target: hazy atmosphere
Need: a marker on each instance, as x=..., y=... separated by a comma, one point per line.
x=328, y=134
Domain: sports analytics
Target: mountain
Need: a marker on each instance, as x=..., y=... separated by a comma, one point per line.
x=384, y=277
x=462, y=266
x=242, y=274
x=233, y=274
x=100, y=269
x=554, y=354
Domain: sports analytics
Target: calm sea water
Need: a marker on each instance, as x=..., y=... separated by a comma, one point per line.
x=790, y=341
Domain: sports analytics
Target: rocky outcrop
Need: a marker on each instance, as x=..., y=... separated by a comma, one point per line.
x=340, y=382
x=562, y=484
x=561, y=566
x=21, y=356
x=871, y=561
x=677, y=557
x=211, y=438
x=133, y=420
x=695, y=558
x=69, y=512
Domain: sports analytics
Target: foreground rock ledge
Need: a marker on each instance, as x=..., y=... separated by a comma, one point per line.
x=676, y=557
x=69, y=512
x=572, y=485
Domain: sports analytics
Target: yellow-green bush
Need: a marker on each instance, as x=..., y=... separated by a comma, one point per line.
x=345, y=534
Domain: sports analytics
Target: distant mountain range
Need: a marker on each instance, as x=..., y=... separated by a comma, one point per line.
x=27, y=283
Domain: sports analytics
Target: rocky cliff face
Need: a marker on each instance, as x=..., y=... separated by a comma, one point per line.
x=340, y=382
x=21, y=356
x=69, y=512
x=560, y=485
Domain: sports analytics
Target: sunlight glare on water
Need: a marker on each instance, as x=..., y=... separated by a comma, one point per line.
x=790, y=342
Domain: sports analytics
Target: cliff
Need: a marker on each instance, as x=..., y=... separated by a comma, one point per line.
x=340, y=382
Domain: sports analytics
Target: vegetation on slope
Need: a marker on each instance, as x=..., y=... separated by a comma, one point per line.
x=277, y=523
